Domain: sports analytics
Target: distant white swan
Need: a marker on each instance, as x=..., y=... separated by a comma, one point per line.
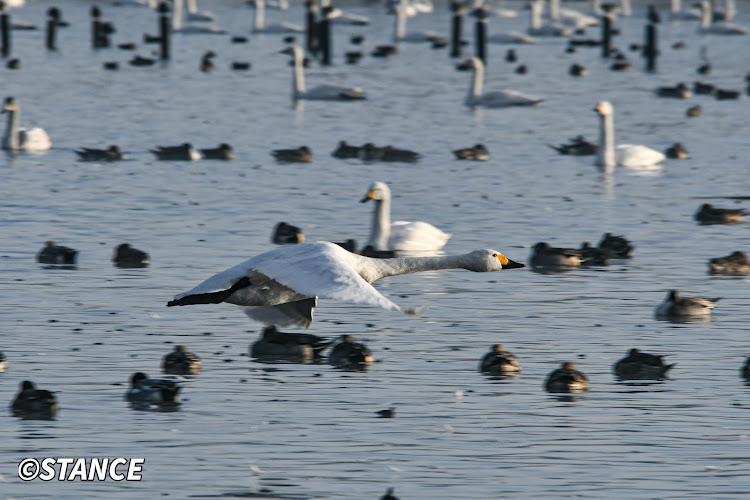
x=625, y=155
x=323, y=92
x=677, y=14
x=717, y=28
x=399, y=236
x=400, y=34
x=189, y=28
x=539, y=28
x=570, y=17
x=511, y=37
x=193, y=14
x=260, y=26
x=281, y=286
x=496, y=98
x=34, y=139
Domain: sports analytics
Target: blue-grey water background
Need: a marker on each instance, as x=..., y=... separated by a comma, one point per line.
x=310, y=431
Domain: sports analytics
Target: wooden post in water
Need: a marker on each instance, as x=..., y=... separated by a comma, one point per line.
x=165, y=30
x=4, y=31
x=324, y=35
x=606, y=34
x=312, y=44
x=458, y=10
x=480, y=33
x=51, y=35
x=650, y=50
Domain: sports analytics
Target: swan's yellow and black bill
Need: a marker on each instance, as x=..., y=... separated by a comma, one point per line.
x=370, y=195
x=509, y=264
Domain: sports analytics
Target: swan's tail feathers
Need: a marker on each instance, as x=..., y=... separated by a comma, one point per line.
x=211, y=297
x=297, y=313
x=415, y=312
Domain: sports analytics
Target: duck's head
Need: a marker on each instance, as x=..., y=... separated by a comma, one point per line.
x=27, y=385
x=379, y=191
x=137, y=377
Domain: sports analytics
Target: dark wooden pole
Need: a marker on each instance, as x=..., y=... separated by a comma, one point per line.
x=458, y=10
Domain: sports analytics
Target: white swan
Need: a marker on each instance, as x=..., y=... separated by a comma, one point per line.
x=625, y=155
x=323, y=92
x=677, y=14
x=717, y=28
x=198, y=15
x=188, y=29
x=399, y=235
x=511, y=37
x=496, y=98
x=538, y=28
x=400, y=34
x=34, y=139
x=281, y=286
x=260, y=26
x=570, y=17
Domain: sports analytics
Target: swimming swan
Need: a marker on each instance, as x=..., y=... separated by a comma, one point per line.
x=496, y=98
x=34, y=139
x=625, y=155
x=717, y=28
x=399, y=235
x=323, y=92
x=281, y=286
x=260, y=26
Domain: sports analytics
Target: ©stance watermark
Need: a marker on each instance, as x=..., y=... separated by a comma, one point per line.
x=82, y=469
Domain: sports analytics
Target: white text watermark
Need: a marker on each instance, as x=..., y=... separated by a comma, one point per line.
x=81, y=469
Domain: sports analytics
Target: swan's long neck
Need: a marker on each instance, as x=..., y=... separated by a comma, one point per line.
x=192, y=6
x=399, y=31
x=730, y=10
x=177, y=15
x=11, y=139
x=706, y=15
x=676, y=6
x=380, y=230
x=382, y=268
x=536, y=15
x=596, y=6
x=606, y=154
x=477, y=79
x=554, y=9
x=625, y=8
x=259, y=20
x=298, y=77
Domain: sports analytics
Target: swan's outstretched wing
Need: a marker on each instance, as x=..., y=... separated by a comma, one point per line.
x=416, y=236
x=288, y=274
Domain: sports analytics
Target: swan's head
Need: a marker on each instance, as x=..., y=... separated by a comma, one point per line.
x=470, y=64
x=379, y=191
x=604, y=108
x=482, y=261
x=10, y=104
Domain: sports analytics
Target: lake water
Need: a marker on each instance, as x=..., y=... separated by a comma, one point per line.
x=246, y=429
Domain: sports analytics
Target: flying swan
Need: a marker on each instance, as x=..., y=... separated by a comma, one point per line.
x=281, y=286
x=34, y=139
x=399, y=235
x=625, y=155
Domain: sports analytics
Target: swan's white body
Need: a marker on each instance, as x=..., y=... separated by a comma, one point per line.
x=151, y=4
x=570, y=17
x=399, y=235
x=677, y=14
x=281, y=286
x=400, y=34
x=539, y=28
x=177, y=26
x=717, y=28
x=511, y=37
x=194, y=14
x=323, y=92
x=260, y=26
x=15, y=138
x=497, y=98
x=624, y=155
x=337, y=16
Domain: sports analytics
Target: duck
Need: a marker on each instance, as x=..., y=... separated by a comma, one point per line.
x=676, y=307
x=207, y=63
x=346, y=151
x=616, y=247
x=384, y=51
x=399, y=236
x=138, y=60
x=476, y=153
x=727, y=95
x=152, y=391
x=52, y=253
x=694, y=111
x=285, y=234
x=181, y=362
x=260, y=26
x=221, y=152
x=3, y=362
x=183, y=152
x=281, y=286
x=21, y=139
x=745, y=370
x=679, y=91
x=544, y=256
x=734, y=264
x=578, y=146
x=350, y=355
x=499, y=362
x=700, y=88
x=577, y=70
x=639, y=365
x=240, y=65
x=593, y=256
x=389, y=495
x=709, y=27
x=14, y=63
x=111, y=65
x=280, y=346
x=676, y=151
x=302, y=154
x=369, y=153
x=708, y=214
x=324, y=92
x=625, y=155
x=34, y=404
x=112, y=153
x=566, y=379
x=126, y=256
x=496, y=98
